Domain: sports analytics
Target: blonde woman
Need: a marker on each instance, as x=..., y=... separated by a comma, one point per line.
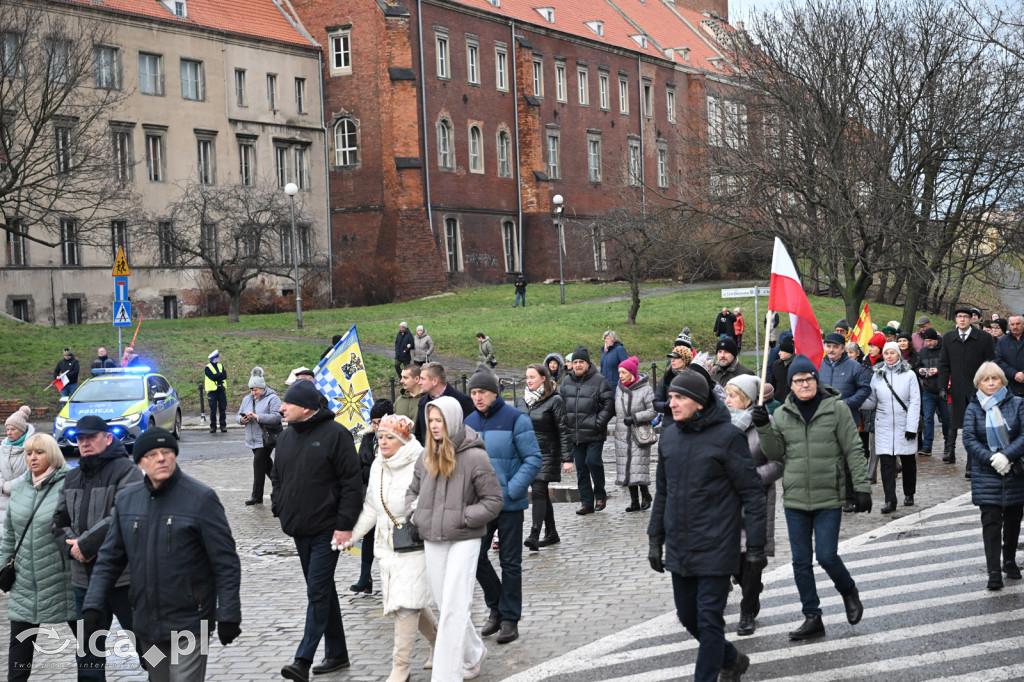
x=403, y=574
x=454, y=494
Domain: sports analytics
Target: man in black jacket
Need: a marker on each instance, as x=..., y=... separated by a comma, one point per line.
x=589, y=406
x=69, y=364
x=403, y=348
x=434, y=384
x=963, y=350
x=1010, y=355
x=85, y=508
x=103, y=361
x=724, y=324
x=172, y=532
x=317, y=495
x=927, y=367
x=707, y=490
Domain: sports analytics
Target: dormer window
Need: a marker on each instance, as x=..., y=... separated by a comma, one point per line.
x=597, y=27
x=640, y=40
x=547, y=12
x=494, y=3
x=179, y=10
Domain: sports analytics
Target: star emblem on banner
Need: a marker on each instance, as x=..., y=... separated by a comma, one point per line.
x=351, y=402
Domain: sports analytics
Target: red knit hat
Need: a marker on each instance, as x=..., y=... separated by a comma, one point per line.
x=878, y=340
x=631, y=365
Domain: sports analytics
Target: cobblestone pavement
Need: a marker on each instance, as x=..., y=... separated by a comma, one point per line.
x=594, y=584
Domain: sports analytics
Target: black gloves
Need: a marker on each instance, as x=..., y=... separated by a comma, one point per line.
x=864, y=502
x=910, y=435
x=628, y=421
x=92, y=622
x=759, y=415
x=943, y=395
x=756, y=558
x=656, y=543
x=228, y=632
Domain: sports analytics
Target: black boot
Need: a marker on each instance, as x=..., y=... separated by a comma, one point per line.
x=854, y=609
x=492, y=625
x=550, y=538
x=634, y=497
x=747, y=624
x=995, y=581
x=533, y=541
x=811, y=627
x=645, y=498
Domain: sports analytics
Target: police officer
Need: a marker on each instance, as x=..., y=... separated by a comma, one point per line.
x=215, y=386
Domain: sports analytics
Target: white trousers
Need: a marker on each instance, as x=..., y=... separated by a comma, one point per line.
x=451, y=571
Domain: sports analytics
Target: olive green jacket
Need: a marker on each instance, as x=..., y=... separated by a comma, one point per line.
x=815, y=452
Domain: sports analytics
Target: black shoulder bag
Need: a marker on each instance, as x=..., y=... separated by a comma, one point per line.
x=405, y=537
x=7, y=572
x=894, y=395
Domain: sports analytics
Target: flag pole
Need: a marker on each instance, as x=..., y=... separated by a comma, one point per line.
x=764, y=359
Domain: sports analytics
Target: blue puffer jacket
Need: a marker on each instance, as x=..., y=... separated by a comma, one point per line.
x=610, y=360
x=849, y=378
x=987, y=486
x=512, y=446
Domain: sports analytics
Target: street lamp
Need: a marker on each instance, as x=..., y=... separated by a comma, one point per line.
x=291, y=189
x=556, y=215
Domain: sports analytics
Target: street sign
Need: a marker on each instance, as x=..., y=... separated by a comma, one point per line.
x=745, y=293
x=120, y=264
x=120, y=288
x=122, y=314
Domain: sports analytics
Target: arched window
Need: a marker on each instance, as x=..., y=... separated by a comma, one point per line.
x=504, y=154
x=445, y=152
x=476, y=150
x=346, y=144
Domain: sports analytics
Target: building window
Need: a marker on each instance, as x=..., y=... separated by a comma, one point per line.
x=445, y=152
x=19, y=309
x=124, y=159
x=58, y=55
x=302, y=168
x=15, y=243
x=346, y=147
x=165, y=242
x=192, y=80
x=583, y=86
x=473, y=61
x=247, y=163
x=594, y=157
x=623, y=95
x=670, y=102
x=281, y=165
x=504, y=155
x=74, y=311
x=108, y=67
x=118, y=237
x=65, y=156
x=648, y=99
x=476, y=150
x=453, y=244
x=300, y=95
x=69, y=242
x=179, y=9
x=554, y=156
x=600, y=250
x=662, y=165
x=735, y=115
x=602, y=82
x=206, y=162
x=501, y=67
x=170, y=307
x=560, y=86
x=151, y=74
x=538, y=77
x=208, y=241
x=11, y=63
x=155, y=157
x=715, y=121
x=443, y=62
x=302, y=234
x=240, y=96
x=508, y=236
x=272, y=91
x=341, y=52
x=635, y=168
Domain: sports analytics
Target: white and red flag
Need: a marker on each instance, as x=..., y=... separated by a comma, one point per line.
x=60, y=382
x=787, y=296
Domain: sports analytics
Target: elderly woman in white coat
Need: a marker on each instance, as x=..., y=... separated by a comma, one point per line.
x=12, y=456
x=896, y=400
x=634, y=405
x=404, y=574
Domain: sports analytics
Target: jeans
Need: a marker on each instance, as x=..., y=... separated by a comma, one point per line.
x=90, y=666
x=520, y=296
x=218, y=402
x=323, y=614
x=700, y=603
x=823, y=525
x=504, y=595
x=68, y=390
x=996, y=520
x=19, y=653
x=931, y=404
x=262, y=463
x=589, y=472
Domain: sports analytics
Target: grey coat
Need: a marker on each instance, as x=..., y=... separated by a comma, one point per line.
x=633, y=462
x=267, y=408
x=769, y=471
x=422, y=348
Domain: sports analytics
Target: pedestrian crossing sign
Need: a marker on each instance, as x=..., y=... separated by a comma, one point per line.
x=120, y=264
x=122, y=313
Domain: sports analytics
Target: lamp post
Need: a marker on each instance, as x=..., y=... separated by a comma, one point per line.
x=556, y=215
x=291, y=189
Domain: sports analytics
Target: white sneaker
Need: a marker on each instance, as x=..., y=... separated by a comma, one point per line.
x=475, y=670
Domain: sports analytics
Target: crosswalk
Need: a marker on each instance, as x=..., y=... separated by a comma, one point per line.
x=927, y=617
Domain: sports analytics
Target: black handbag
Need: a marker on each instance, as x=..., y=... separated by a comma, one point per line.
x=270, y=433
x=406, y=536
x=1017, y=466
x=7, y=572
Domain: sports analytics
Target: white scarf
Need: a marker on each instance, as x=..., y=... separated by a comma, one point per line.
x=532, y=397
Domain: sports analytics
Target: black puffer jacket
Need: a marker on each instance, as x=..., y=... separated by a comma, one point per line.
x=661, y=397
x=549, y=423
x=318, y=483
x=707, y=489
x=589, y=405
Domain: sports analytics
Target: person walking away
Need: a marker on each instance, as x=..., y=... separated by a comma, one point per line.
x=85, y=507
x=541, y=402
x=740, y=395
x=12, y=454
x=406, y=592
x=422, y=347
x=815, y=434
x=453, y=496
x=434, y=384
x=408, y=399
x=486, y=354
x=173, y=535
x=515, y=455
x=68, y=365
x=964, y=349
x=707, y=491
x=260, y=414
x=589, y=406
x=317, y=496
x=613, y=353
x=520, y=285
x=404, y=344
x=896, y=400
x=634, y=407
x=994, y=441
x=738, y=327
x=369, y=449
x=215, y=385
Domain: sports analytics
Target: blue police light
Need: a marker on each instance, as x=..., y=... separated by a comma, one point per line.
x=121, y=370
x=117, y=431
x=72, y=436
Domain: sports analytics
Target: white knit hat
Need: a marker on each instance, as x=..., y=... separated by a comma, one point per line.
x=749, y=384
x=256, y=379
x=891, y=345
x=19, y=419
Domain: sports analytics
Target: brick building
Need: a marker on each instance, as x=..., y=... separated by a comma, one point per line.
x=452, y=123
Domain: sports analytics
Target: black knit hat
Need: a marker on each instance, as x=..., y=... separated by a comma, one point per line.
x=726, y=344
x=930, y=333
x=303, y=394
x=787, y=345
x=484, y=378
x=692, y=385
x=581, y=353
x=381, y=408
x=152, y=438
x=843, y=324
x=801, y=365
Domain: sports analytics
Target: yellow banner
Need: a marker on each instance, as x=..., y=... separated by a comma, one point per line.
x=863, y=330
x=341, y=377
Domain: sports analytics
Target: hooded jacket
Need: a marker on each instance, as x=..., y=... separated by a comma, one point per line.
x=85, y=507
x=512, y=446
x=422, y=348
x=267, y=408
x=589, y=405
x=561, y=366
x=317, y=481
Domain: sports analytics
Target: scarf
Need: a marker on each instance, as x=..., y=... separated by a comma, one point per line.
x=995, y=426
x=741, y=419
x=632, y=380
x=36, y=480
x=18, y=442
x=532, y=397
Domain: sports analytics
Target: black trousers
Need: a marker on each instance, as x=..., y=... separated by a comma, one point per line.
x=262, y=463
x=865, y=439
x=996, y=521
x=218, y=402
x=543, y=511
x=19, y=655
x=751, y=585
x=888, y=465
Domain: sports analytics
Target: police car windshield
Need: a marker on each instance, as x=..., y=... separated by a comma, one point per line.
x=99, y=390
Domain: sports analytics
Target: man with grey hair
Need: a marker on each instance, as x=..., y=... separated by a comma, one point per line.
x=1010, y=355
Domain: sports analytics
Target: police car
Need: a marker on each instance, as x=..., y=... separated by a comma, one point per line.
x=130, y=399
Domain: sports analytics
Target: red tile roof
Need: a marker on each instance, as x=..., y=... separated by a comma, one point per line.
x=261, y=19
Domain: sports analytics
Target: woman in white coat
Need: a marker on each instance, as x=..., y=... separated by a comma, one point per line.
x=12, y=455
x=896, y=400
x=403, y=574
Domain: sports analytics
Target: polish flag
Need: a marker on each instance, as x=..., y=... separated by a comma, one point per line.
x=787, y=296
x=60, y=382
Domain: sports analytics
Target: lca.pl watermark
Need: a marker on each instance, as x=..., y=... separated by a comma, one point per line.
x=124, y=646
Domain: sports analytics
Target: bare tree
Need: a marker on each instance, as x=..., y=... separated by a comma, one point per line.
x=60, y=153
x=235, y=233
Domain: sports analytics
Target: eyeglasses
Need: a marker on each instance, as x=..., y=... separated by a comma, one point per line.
x=804, y=382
